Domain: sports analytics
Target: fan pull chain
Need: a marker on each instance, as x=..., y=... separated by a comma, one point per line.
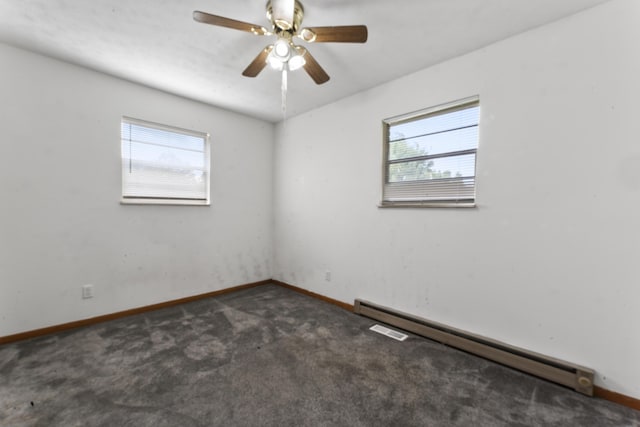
x=284, y=93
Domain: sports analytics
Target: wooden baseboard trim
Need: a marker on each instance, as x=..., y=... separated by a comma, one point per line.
x=340, y=304
x=612, y=396
x=106, y=317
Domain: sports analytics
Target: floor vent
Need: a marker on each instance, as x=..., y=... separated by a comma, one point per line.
x=567, y=374
x=389, y=332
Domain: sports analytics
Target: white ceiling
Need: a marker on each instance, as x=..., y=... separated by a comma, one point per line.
x=157, y=43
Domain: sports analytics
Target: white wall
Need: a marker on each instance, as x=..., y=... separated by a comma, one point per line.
x=62, y=225
x=549, y=259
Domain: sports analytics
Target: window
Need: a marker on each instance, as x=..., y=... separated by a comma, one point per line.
x=163, y=165
x=430, y=156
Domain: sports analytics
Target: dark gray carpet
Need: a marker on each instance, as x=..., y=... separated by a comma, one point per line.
x=268, y=356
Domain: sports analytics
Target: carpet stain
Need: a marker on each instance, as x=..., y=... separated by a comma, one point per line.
x=206, y=346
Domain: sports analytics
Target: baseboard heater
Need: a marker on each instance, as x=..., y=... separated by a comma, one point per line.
x=567, y=374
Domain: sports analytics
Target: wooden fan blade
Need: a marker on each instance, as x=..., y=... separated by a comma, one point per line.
x=342, y=34
x=221, y=21
x=258, y=63
x=314, y=69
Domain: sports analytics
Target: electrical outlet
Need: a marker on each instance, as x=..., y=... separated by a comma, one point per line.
x=87, y=291
x=327, y=276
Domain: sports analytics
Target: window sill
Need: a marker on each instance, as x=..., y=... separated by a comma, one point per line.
x=386, y=205
x=171, y=202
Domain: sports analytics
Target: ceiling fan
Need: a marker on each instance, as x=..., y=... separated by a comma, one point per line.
x=285, y=17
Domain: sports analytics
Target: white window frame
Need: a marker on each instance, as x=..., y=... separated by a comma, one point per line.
x=422, y=186
x=155, y=200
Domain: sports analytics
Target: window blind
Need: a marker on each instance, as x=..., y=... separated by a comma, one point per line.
x=163, y=163
x=430, y=155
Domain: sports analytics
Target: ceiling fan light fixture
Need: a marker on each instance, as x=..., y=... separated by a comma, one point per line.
x=296, y=62
x=282, y=50
x=274, y=62
x=288, y=57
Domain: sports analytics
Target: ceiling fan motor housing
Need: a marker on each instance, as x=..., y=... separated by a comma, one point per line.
x=280, y=25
